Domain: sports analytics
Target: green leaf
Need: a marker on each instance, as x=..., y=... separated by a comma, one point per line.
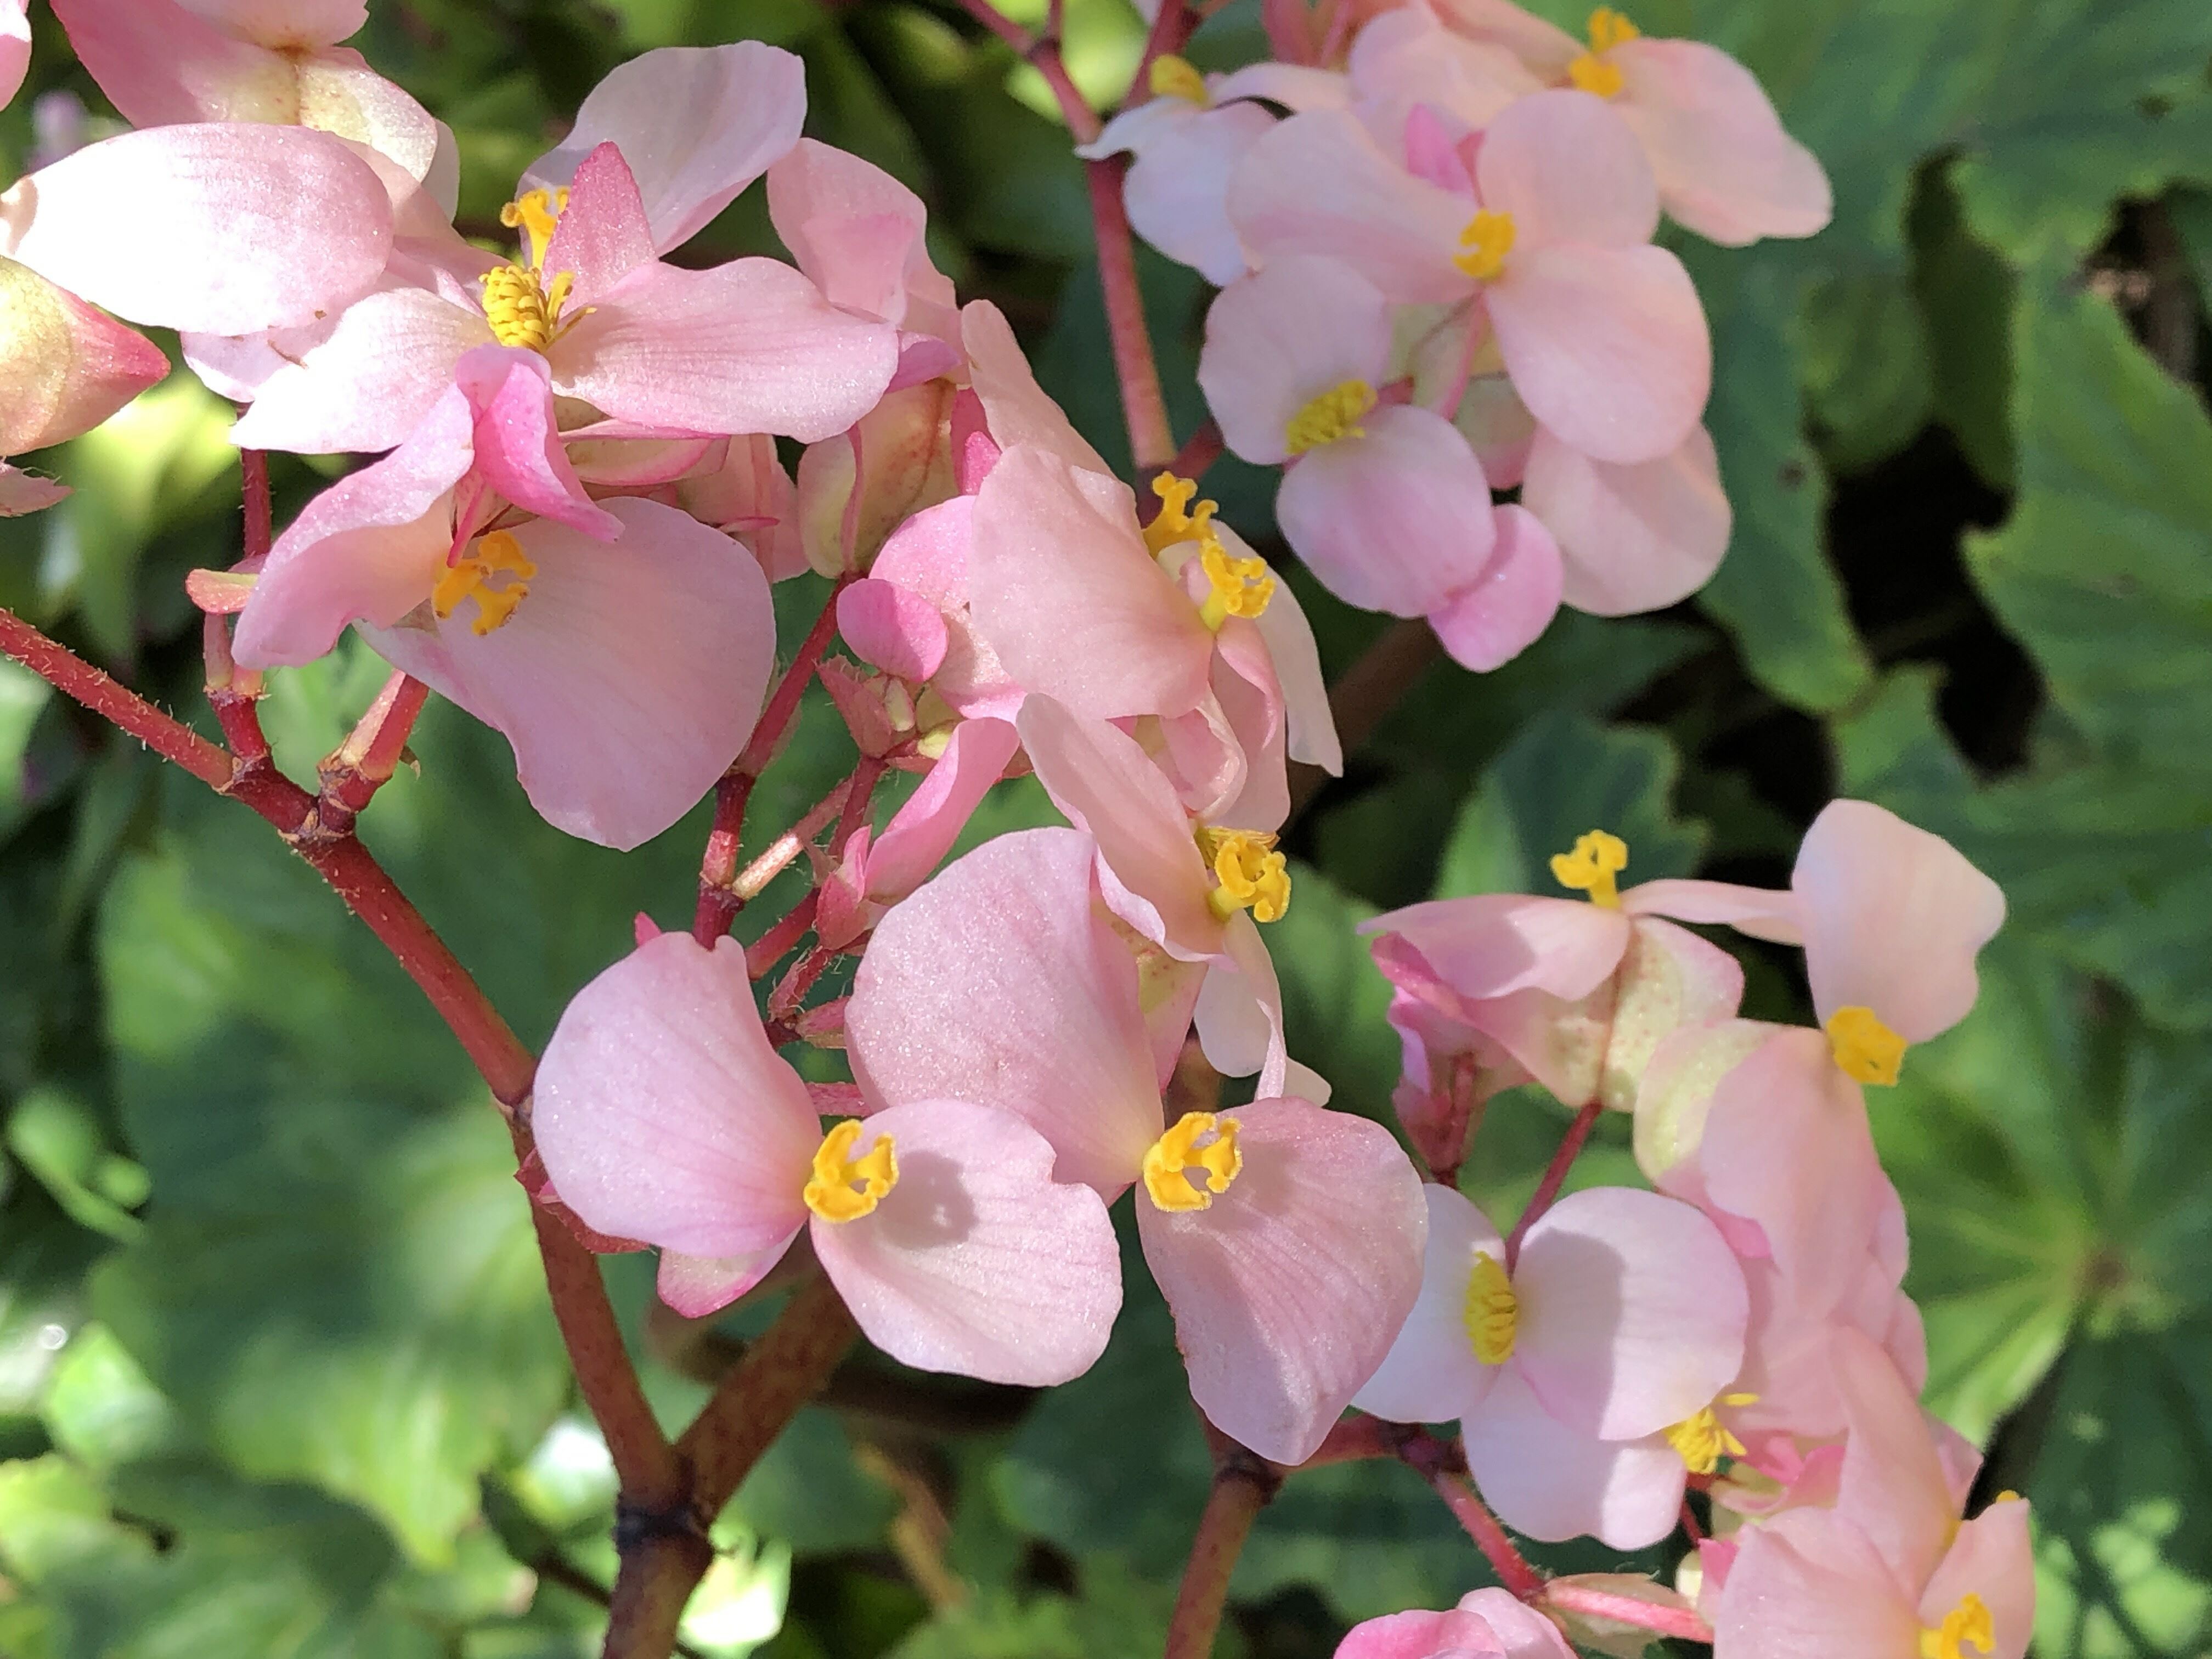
x=1966, y=293
x=1865, y=367
x=1117, y=1615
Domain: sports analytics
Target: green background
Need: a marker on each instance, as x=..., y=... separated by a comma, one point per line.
x=276, y=1371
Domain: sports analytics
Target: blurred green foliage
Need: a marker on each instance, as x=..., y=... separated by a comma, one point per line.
x=276, y=1371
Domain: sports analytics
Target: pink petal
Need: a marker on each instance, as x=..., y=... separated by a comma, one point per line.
x=368, y=383
x=1430, y=1374
x=1407, y=55
x=602, y=235
x=899, y=632
x=1398, y=520
x=258, y=227
x=663, y=1114
x=1543, y=47
x=696, y=124
x=696, y=1285
x=1636, y=538
x=1018, y=410
x=1506, y=610
x=1761, y=912
x=1670, y=978
x=1239, y=1015
x=14, y=49
x=857, y=231
x=518, y=447
x=286, y=23
x=1553, y=1483
x=975, y=1261
x=751, y=346
x=1294, y=86
x=1605, y=345
x=1632, y=1311
x=1280, y=338
x=1487, y=1624
x=1568, y=169
x=22, y=492
x=1894, y=918
x=340, y=93
x=1524, y=1632
x=995, y=983
x=1297, y=659
x=1993, y=1558
x=1176, y=189
x=751, y=492
x=629, y=679
x=923, y=830
x=1893, y=1485
x=1251, y=701
x=1495, y=944
x=1062, y=588
x=64, y=368
x=160, y=63
x=636, y=465
x=1287, y=1291
x=1808, y=1585
x=1110, y=789
x=1726, y=169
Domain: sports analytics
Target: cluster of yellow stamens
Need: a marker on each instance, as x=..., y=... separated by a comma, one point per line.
x=1968, y=1622
x=1590, y=868
x=1237, y=585
x=1333, y=416
x=470, y=577
x=523, y=308
x=1171, y=77
x=844, y=1187
x=1493, y=1312
x=1593, y=71
x=1251, y=873
x=1868, y=1050
x=1198, y=1140
x=1701, y=1440
x=1484, y=243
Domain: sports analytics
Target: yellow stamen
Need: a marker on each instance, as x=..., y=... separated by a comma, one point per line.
x=1492, y=1311
x=845, y=1187
x=1238, y=586
x=1968, y=1622
x=1174, y=77
x=1168, y=1160
x=522, y=311
x=1591, y=71
x=1701, y=1440
x=1332, y=416
x=1868, y=1050
x=536, y=213
x=1250, y=871
x=470, y=577
x=1590, y=868
x=1487, y=239
x=1177, y=520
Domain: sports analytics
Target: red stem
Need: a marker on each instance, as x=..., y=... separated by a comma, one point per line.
x=1152, y=441
x=859, y=790
x=775, y=945
x=1171, y=30
x=1571, y=1147
x=1194, y=458
x=260, y=518
x=1241, y=1490
x=74, y=676
x=1570, y=1597
x=1512, y=1568
x=364, y=764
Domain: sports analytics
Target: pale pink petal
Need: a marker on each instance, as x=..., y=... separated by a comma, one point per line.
x=258, y=227
x=1318, y=183
x=752, y=495
x=340, y=93
x=1239, y=1015
x=1297, y=659
x=1498, y=427
x=1406, y=54
x=1636, y=538
x=1807, y=1585
x=366, y=386
x=159, y=63
x=1726, y=169
x=1109, y=788
x=1061, y=586
x=1132, y=131
x=1669, y=978
x=997, y=983
x=661, y=1112
x=1543, y=47
x=637, y=466
x=1294, y=86
x=1177, y=188
x=1430, y=1374
x=1251, y=700
x=1761, y=912
x=1606, y=346
x=518, y=452
x=14, y=49
x=1420, y=1635
x=1893, y=1485
x=1553, y=1483
x=1568, y=169
x=696, y=1285
x=626, y=681
x=1506, y=610
x=1893, y=917
x=923, y=830
x=1632, y=1311
x=22, y=492
x=1018, y=411
x=897, y=631
x=927, y=555
x=975, y=1261
x=1993, y=1557
x=856, y=230
x=286, y=23
x=1278, y=338
x=1288, y=1289
x=64, y=368
x=1674, y=1097
x=751, y=346
x=1495, y=944
x=1397, y=520
x=696, y=124
x=602, y=235
x=1522, y=1632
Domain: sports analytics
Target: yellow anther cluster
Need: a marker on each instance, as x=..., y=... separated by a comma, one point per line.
x=524, y=308
x=1592, y=72
x=1590, y=868
x=1968, y=1622
x=536, y=213
x=1249, y=869
x=1868, y=1050
x=1235, y=586
x=1333, y=416
x=1492, y=1313
x=1177, y=520
x=471, y=576
x=1486, y=241
x=844, y=1187
x=1198, y=1140
x=1702, y=1440
x=1171, y=77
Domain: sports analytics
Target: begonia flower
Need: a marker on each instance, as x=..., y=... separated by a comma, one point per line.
x=626, y=677
x=662, y=1114
x=64, y=368
x=1486, y=1624
x=751, y=496
x=1286, y=1238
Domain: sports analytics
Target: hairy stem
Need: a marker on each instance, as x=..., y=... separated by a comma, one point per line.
x=1243, y=1485
x=1570, y=1146
x=73, y=677
x=1144, y=406
x=364, y=761
x=1511, y=1567
x=1570, y=1597
x=780, y=1373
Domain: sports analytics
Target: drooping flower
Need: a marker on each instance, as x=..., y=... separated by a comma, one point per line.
x=663, y=1116
x=1486, y=1624
x=1286, y=1238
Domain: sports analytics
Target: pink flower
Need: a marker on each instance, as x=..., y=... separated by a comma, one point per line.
x=1891, y=1568
x=1547, y=223
x=662, y=1114
x=626, y=677
x=64, y=368
x=749, y=346
x=1576, y=1366
x=1487, y=1624
x=161, y=63
x=1286, y=1238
